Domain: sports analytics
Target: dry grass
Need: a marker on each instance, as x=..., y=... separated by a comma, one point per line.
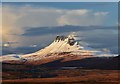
x=74, y=77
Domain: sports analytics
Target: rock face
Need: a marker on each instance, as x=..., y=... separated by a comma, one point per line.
x=63, y=47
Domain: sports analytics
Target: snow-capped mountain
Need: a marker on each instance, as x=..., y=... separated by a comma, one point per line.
x=61, y=47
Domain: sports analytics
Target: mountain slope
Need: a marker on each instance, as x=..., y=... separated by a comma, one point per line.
x=63, y=47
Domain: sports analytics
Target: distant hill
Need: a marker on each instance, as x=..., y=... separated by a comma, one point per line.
x=90, y=63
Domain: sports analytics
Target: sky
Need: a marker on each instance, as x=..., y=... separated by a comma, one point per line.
x=60, y=1
x=33, y=25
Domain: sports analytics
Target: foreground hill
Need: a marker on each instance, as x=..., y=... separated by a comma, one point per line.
x=71, y=76
x=16, y=71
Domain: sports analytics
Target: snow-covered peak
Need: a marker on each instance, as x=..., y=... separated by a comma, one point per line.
x=61, y=44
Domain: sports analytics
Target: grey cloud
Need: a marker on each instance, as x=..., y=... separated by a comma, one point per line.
x=97, y=37
x=103, y=38
x=36, y=31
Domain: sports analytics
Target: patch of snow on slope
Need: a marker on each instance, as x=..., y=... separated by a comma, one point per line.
x=11, y=57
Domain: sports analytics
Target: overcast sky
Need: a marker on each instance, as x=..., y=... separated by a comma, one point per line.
x=28, y=24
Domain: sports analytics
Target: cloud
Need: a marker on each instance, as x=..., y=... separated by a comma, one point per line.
x=95, y=36
x=83, y=17
x=102, y=38
x=101, y=13
x=17, y=18
x=38, y=31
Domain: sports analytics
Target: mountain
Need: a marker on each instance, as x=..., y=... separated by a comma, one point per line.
x=65, y=48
